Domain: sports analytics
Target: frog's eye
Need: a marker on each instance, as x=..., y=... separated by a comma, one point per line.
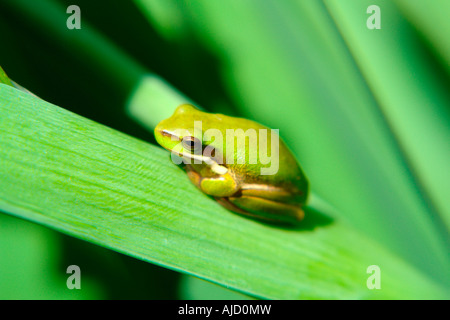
x=192, y=144
x=209, y=151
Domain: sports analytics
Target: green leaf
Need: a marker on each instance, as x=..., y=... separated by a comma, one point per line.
x=412, y=98
x=27, y=268
x=4, y=78
x=431, y=20
x=362, y=110
x=89, y=181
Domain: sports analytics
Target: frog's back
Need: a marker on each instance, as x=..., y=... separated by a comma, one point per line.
x=282, y=171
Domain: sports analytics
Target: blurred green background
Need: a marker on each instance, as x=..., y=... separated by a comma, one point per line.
x=366, y=112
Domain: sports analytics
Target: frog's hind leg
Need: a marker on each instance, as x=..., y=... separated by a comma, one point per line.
x=224, y=202
x=273, y=193
x=263, y=209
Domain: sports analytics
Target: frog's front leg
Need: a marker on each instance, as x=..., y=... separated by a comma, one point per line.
x=217, y=185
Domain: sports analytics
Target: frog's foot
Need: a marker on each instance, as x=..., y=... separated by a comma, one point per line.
x=264, y=209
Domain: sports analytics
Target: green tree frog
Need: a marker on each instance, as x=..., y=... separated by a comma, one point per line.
x=242, y=164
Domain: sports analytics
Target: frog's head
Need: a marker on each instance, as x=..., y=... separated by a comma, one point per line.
x=182, y=135
x=179, y=128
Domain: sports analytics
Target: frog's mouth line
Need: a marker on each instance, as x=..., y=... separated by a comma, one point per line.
x=215, y=167
x=166, y=133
